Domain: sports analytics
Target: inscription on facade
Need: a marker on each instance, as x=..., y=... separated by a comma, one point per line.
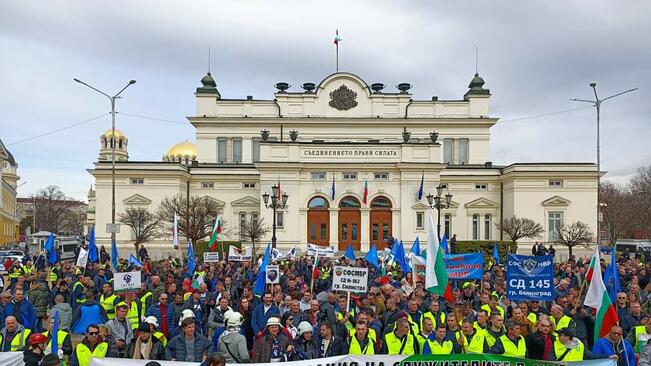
x=350, y=153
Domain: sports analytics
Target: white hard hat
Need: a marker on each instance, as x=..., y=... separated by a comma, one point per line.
x=152, y=320
x=233, y=319
x=304, y=327
x=187, y=313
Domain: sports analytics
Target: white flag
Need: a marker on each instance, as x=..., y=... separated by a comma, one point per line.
x=82, y=259
x=176, y=231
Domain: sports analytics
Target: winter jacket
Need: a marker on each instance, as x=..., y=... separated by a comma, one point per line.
x=157, y=350
x=176, y=348
x=65, y=315
x=337, y=347
x=200, y=313
x=263, y=347
x=605, y=348
x=536, y=346
x=172, y=321
x=232, y=345
x=32, y=359
x=216, y=318
x=645, y=356
x=55, y=291
x=39, y=297
x=305, y=350
x=23, y=311
x=259, y=317
x=121, y=330
x=86, y=314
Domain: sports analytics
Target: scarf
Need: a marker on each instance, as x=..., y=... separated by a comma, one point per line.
x=136, y=354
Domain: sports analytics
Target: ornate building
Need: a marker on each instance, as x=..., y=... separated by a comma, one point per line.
x=9, y=222
x=328, y=142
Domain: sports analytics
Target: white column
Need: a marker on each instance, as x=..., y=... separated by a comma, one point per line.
x=334, y=227
x=247, y=150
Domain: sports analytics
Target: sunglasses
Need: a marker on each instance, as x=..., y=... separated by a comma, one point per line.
x=93, y=333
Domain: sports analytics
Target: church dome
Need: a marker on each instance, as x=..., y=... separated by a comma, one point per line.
x=118, y=134
x=184, y=151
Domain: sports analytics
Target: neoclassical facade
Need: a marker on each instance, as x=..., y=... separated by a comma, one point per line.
x=324, y=145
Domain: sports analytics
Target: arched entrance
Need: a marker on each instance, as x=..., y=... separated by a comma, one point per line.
x=350, y=219
x=318, y=218
x=380, y=222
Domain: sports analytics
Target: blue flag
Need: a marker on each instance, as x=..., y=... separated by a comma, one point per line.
x=350, y=253
x=53, y=258
x=55, y=333
x=496, y=253
x=333, y=187
x=192, y=264
x=402, y=259
x=444, y=243
x=114, y=255
x=415, y=248
x=51, y=249
x=93, y=257
x=372, y=257
x=420, y=190
x=611, y=278
x=261, y=280
x=133, y=260
x=49, y=244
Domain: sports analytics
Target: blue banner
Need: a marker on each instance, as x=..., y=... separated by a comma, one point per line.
x=468, y=266
x=530, y=277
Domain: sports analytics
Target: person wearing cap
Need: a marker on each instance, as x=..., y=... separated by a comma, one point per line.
x=511, y=344
x=91, y=346
x=189, y=346
x=271, y=345
x=121, y=329
x=34, y=353
x=145, y=346
x=567, y=347
x=133, y=314
x=305, y=348
x=153, y=326
x=164, y=314
x=232, y=343
x=63, y=339
x=400, y=341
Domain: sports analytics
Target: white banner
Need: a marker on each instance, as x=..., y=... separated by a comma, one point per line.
x=272, y=274
x=82, y=259
x=323, y=251
x=240, y=255
x=350, y=279
x=279, y=255
x=11, y=359
x=127, y=281
x=210, y=257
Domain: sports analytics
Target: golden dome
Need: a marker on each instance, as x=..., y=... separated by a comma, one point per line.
x=182, y=150
x=109, y=133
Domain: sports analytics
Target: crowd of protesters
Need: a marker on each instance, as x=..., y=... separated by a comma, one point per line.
x=214, y=315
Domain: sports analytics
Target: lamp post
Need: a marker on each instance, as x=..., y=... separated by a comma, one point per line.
x=112, y=99
x=437, y=203
x=597, y=103
x=274, y=205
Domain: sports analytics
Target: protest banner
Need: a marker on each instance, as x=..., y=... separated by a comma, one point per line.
x=240, y=255
x=272, y=274
x=127, y=281
x=323, y=251
x=211, y=257
x=530, y=277
x=350, y=279
x=279, y=255
x=468, y=266
x=82, y=259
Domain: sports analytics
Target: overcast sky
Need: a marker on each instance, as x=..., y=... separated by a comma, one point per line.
x=534, y=56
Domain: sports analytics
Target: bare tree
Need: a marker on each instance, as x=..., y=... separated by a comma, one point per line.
x=576, y=233
x=196, y=216
x=57, y=213
x=517, y=228
x=143, y=224
x=619, y=211
x=254, y=230
x=641, y=193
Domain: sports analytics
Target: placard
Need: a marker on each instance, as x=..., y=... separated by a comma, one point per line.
x=210, y=257
x=272, y=274
x=240, y=255
x=351, y=279
x=468, y=266
x=312, y=249
x=82, y=258
x=530, y=277
x=126, y=281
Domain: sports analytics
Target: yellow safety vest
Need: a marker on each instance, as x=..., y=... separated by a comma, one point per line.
x=74, y=287
x=478, y=327
x=476, y=344
x=324, y=273
x=641, y=337
x=19, y=341
x=511, y=350
x=161, y=337
x=394, y=344
x=435, y=322
x=563, y=323
x=356, y=349
x=371, y=334
x=340, y=316
x=61, y=337
x=489, y=310
x=415, y=327
x=54, y=276
x=440, y=349
x=28, y=270
x=533, y=318
x=490, y=339
x=143, y=302
x=84, y=354
x=108, y=303
x=132, y=315
x=15, y=273
x=575, y=354
x=186, y=295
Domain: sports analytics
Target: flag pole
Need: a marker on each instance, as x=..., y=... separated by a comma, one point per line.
x=337, y=44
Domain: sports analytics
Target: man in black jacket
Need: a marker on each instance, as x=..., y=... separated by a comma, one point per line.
x=540, y=344
x=328, y=343
x=144, y=346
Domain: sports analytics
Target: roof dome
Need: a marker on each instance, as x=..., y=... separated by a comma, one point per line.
x=118, y=134
x=181, y=151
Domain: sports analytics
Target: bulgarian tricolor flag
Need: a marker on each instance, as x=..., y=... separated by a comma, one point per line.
x=315, y=271
x=365, y=193
x=436, y=275
x=598, y=299
x=338, y=38
x=216, y=230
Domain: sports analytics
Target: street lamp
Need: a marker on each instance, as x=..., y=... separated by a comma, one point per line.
x=436, y=203
x=274, y=205
x=597, y=103
x=112, y=99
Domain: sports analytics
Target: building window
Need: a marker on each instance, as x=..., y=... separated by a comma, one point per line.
x=475, y=227
x=381, y=176
x=237, y=150
x=556, y=183
x=448, y=151
x=255, y=153
x=221, y=150
x=349, y=176
x=137, y=180
x=481, y=187
x=420, y=220
x=207, y=185
x=318, y=175
x=248, y=185
x=242, y=225
x=487, y=226
x=254, y=217
x=447, y=222
x=463, y=151
x=554, y=221
x=280, y=219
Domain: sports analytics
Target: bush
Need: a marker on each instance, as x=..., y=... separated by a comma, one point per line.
x=486, y=247
x=202, y=246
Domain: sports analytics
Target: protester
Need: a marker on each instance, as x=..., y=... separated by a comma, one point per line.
x=91, y=346
x=145, y=346
x=189, y=346
x=13, y=336
x=34, y=354
x=232, y=344
x=271, y=344
x=615, y=347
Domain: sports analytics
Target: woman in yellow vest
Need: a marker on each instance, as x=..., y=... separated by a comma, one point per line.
x=91, y=346
x=567, y=347
x=360, y=343
x=512, y=344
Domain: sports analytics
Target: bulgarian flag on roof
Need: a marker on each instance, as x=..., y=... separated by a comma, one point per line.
x=365, y=193
x=338, y=38
x=216, y=230
x=598, y=299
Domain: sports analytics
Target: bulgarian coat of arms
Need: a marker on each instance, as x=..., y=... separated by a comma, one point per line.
x=343, y=98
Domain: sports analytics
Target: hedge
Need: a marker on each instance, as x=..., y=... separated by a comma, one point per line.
x=202, y=246
x=479, y=246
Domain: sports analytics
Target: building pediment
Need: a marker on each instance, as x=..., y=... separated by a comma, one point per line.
x=136, y=200
x=420, y=206
x=218, y=202
x=247, y=201
x=481, y=203
x=556, y=201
